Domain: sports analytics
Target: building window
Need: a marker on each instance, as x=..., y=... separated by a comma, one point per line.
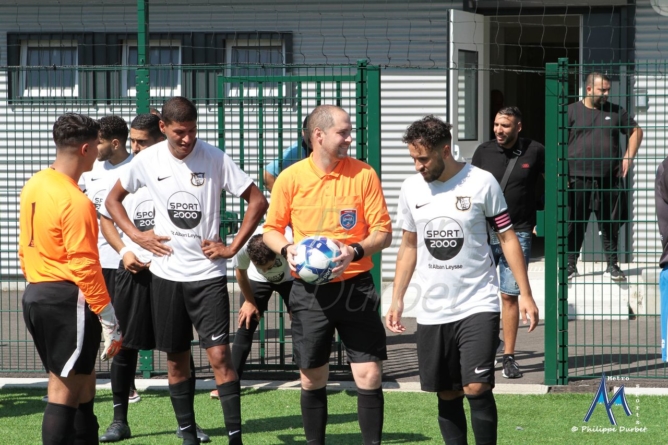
x=50, y=68
x=254, y=57
x=165, y=74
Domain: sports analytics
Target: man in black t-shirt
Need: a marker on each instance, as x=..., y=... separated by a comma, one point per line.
x=525, y=160
x=595, y=170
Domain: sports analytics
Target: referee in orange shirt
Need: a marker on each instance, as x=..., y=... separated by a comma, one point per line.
x=66, y=295
x=330, y=194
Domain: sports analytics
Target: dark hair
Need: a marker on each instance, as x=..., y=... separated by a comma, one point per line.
x=589, y=82
x=258, y=251
x=511, y=111
x=306, y=136
x=430, y=132
x=71, y=130
x=154, y=111
x=114, y=127
x=179, y=109
x=147, y=122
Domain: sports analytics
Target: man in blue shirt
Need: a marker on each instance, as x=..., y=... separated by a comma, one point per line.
x=296, y=152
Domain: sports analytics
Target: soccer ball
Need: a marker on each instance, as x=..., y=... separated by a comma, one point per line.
x=314, y=259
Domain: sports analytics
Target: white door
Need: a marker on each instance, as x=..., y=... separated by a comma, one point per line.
x=469, y=82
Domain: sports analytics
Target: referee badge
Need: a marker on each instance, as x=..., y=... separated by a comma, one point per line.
x=463, y=203
x=348, y=218
x=197, y=179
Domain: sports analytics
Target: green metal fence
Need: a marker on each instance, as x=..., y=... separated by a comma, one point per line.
x=254, y=118
x=594, y=324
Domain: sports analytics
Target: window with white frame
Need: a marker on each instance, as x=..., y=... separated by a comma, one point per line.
x=165, y=72
x=256, y=57
x=50, y=68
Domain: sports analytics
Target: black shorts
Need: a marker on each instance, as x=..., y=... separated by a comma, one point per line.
x=66, y=332
x=178, y=306
x=133, y=308
x=110, y=281
x=263, y=290
x=452, y=355
x=350, y=307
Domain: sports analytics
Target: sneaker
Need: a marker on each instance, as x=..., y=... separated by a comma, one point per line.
x=510, y=368
x=201, y=435
x=45, y=399
x=572, y=271
x=116, y=432
x=615, y=273
x=214, y=394
x=134, y=397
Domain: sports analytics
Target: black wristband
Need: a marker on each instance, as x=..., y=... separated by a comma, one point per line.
x=359, y=251
x=284, y=251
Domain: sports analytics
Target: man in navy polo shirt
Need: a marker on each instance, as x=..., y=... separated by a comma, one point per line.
x=521, y=162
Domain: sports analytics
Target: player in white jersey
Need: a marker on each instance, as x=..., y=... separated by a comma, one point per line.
x=133, y=285
x=444, y=211
x=186, y=176
x=260, y=272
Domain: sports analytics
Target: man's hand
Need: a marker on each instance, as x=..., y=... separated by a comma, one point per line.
x=528, y=309
x=111, y=332
x=346, y=257
x=626, y=166
x=153, y=243
x=393, y=318
x=291, y=254
x=247, y=313
x=215, y=250
x=132, y=264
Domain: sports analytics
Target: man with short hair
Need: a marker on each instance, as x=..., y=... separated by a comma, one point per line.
x=185, y=176
x=444, y=211
x=595, y=173
x=333, y=195
x=66, y=294
x=661, y=203
x=517, y=164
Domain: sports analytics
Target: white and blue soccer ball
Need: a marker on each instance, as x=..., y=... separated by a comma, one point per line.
x=314, y=259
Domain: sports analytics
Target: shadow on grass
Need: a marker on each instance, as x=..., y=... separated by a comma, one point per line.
x=20, y=403
x=347, y=439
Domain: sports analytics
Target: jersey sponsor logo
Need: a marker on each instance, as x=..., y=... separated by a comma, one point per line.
x=444, y=238
x=463, y=203
x=348, y=218
x=197, y=179
x=184, y=210
x=144, y=216
x=98, y=200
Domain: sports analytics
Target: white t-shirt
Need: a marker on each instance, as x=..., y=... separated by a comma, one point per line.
x=186, y=195
x=455, y=268
x=139, y=207
x=279, y=272
x=96, y=184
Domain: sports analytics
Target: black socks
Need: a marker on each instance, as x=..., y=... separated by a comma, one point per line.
x=314, y=415
x=370, y=410
x=230, y=400
x=452, y=421
x=484, y=418
x=85, y=424
x=58, y=424
x=241, y=348
x=123, y=369
x=183, y=408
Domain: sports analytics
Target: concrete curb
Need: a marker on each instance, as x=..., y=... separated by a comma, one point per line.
x=208, y=384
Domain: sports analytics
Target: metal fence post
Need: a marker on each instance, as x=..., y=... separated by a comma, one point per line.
x=143, y=97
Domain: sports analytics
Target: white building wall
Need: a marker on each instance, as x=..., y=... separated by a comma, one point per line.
x=407, y=39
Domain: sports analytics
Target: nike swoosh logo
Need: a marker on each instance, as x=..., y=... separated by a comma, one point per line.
x=481, y=371
x=232, y=433
x=418, y=206
x=160, y=179
x=183, y=429
x=214, y=338
x=118, y=404
x=94, y=179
